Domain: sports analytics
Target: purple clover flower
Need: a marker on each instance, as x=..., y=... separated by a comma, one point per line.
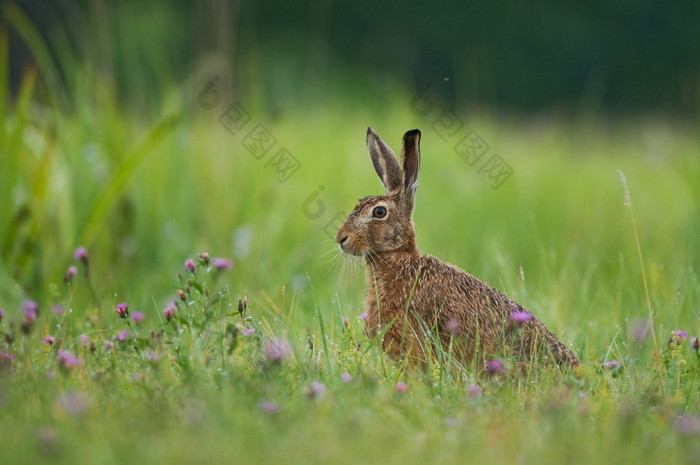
x=6, y=359
x=639, y=329
x=495, y=367
x=520, y=316
x=454, y=328
x=316, y=390
x=687, y=424
x=248, y=331
x=680, y=334
x=269, y=407
x=610, y=364
x=137, y=317
x=401, y=387
x=122, y=310
x=30, y=309
x=47, y=438
x=71, y=273
x=677, y=337
x=68, y=359
x=49, y=339
x=474, y=390
x=81, y=254
x=362, y=316
x=58, y=310
x=121, y=337
x=169, y=311
x=277, y=350
x=73, y=403
x=222, y=264
x=190, y=266
x=346, y=377
x=84, y=339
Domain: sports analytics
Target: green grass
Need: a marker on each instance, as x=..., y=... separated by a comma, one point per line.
x=144, y=193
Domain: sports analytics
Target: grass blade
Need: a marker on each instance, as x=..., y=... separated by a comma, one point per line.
x=115, y=187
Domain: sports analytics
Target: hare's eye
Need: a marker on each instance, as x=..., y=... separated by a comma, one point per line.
x=379, y=212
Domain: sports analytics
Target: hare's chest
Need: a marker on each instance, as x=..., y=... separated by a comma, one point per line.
x=388, y=302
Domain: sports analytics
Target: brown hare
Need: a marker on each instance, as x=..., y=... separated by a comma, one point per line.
x=414, y=299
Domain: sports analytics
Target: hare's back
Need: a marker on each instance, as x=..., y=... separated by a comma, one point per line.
x=442, y=285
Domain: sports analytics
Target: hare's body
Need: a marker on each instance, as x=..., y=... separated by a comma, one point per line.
x=415, y=299
x=416, y=296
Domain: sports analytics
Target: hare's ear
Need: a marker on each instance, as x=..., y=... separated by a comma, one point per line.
x=385, y=162
x=410, y=155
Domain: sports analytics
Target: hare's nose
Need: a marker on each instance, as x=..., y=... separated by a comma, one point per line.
x=341, y=240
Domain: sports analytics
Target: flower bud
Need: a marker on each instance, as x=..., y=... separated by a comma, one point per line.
x=122, y=310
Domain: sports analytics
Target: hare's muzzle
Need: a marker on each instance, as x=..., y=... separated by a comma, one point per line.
x=342, y=240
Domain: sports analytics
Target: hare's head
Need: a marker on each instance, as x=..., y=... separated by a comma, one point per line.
x=385, y=222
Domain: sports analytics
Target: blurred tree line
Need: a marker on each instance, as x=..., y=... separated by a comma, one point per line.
x=629, y=56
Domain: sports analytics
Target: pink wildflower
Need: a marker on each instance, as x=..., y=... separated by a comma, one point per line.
x=248, y=331
x=474, y=390
x=30, y=309
x=677, y=337
x=81, y=254
x=137, y=317
x=68, y=359
x=269, y=407
x=277, y=350
x=401, y=387
x=453, y=327
x=610, y=364
x=346, y=377
x=49, y=339
x=680, y=334
x=70, y=274
x=316, y=390
x=520, y=316
x=73, y=403
x=687, y=424
x=222, y=264
x=190, y=266
x=639, y=329
x=6, y=359
x=58, y=309
x=169, y=311
x=495, y=366
x=122, y=310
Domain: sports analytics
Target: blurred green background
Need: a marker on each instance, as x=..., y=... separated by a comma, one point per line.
x=119, y=134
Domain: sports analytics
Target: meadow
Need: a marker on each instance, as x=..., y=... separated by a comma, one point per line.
x=123, y=342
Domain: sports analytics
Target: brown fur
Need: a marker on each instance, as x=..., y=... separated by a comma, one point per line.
x=410, y=295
